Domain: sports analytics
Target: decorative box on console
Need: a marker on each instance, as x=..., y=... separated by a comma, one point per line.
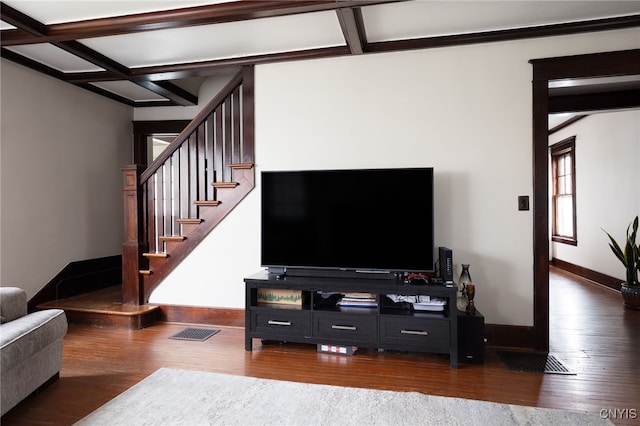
x=336, y=349
x=280, y=296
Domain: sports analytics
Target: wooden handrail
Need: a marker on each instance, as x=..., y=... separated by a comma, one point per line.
x=192, y=126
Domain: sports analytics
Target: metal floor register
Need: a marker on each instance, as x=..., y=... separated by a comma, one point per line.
x=534, y=363
x=195, y=334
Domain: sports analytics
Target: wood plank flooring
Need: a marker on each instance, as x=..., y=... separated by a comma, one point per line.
x=591, y=334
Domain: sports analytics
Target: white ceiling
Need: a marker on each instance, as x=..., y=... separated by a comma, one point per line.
x=220, y=41
x=424, y=18
x=132, y=90
x=57, y=11
x=405, y=20
x=55, y=57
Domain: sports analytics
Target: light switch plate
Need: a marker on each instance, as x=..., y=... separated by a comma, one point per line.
x=523, y=202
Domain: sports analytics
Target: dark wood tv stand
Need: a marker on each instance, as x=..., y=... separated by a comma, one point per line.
x=382, y=327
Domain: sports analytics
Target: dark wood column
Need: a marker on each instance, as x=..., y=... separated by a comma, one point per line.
x=133, y=245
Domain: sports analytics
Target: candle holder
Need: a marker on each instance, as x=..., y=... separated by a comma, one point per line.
x=463, y=282
x=471, y=294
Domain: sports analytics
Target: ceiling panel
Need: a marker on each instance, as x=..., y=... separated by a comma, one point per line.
x=55, y=57
x=57, y=11
x=210, y=42
x=129, y=90
x=417, y=19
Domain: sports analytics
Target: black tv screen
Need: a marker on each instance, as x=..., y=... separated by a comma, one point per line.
x=368, y=219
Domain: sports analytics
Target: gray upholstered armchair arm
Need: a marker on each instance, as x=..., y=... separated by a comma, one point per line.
x=13, y=303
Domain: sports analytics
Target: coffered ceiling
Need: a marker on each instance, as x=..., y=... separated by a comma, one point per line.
x=155, y=53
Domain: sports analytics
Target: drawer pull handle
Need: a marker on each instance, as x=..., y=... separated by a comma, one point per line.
x=344, y=327
x=414, y=332
x=284, y=323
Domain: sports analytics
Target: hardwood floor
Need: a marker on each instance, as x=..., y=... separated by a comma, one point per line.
x=591, y=334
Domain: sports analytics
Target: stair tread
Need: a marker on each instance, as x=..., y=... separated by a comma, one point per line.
x=224, y=184
x=172, y=237
x=241, y=165
x=207, y=202
x=187, y=220
x=158, y=254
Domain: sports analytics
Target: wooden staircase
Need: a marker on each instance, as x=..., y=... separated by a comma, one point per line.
x=168, y=208
x=188, y=190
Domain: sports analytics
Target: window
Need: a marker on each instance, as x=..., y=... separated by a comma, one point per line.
x=563, y=169
x=157, y=143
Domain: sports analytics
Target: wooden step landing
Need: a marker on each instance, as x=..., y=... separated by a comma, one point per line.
x=105, y=308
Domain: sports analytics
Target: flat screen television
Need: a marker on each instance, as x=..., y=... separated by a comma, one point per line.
x=373, y=220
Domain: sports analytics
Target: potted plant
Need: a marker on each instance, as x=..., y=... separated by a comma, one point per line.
x=630, y=258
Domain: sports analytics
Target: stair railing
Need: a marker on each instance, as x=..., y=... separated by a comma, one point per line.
x=198, y=179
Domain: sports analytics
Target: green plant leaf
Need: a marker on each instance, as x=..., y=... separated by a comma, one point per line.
x=615, y=248
x=632, y=238
x=630, y=256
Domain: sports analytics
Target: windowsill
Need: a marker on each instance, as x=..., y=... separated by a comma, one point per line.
x=564, y=240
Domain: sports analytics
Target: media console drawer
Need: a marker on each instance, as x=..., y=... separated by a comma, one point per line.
x=432, y=334
x=341, y=326
x=282, y=321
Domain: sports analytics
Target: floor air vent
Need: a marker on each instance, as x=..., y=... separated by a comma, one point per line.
x=533, y=363
x=195, y=334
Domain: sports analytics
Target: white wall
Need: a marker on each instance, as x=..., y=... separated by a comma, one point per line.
x=607, y=187
x=466, y=111
x=62, y=150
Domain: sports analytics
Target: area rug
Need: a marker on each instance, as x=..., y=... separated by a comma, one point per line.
x=180, y=397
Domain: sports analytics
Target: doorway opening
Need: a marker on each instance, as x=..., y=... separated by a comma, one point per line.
x=615, y=65
x=150, y=138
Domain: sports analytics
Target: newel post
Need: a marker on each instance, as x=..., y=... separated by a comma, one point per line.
x=132, y=248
